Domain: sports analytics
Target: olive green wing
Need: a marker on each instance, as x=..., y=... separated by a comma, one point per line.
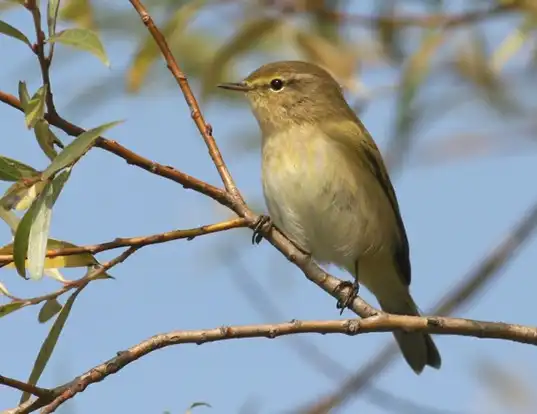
x=362, y=143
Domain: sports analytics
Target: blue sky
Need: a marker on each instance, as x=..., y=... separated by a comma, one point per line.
x=454, y=214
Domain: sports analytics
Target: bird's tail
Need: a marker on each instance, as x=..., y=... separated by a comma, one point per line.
x=418, y=348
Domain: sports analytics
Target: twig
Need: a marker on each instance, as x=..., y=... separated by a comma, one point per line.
x=140, y=241
x=39, y=50
x=204, y=128
x=381, y=323
x=82, y=282
x=25, y=387
x=187, y=181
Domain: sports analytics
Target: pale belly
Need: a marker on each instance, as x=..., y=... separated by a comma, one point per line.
x=314, y=197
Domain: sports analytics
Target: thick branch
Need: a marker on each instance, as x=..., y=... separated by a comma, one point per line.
x=381, y=323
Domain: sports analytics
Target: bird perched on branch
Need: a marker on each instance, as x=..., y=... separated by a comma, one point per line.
x=327, y=188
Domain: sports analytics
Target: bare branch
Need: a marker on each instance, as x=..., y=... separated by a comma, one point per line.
x=351, y=327
x=204, y=128
x=141, y=240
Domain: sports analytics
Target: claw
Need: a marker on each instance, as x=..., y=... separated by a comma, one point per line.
x=353, y=289
x=262, y=222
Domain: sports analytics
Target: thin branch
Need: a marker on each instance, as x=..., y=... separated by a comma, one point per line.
x=39, y=50
x=140, y=241
x=204, y=128
x=25, y=387
x=94, y=274
x=187, y=181
x=351, y=327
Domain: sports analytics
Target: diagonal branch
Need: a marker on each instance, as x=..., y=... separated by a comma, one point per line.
x=187, y=181
x=204, y=128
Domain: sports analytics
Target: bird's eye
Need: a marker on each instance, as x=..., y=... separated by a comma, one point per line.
x=276, y=84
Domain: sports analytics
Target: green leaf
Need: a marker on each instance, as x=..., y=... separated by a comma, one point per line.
x=38, y=238
x=22, y=235
x=82, y=39
x=74, y=260
x=246, y=38
x=197, y=404
x=32, y=232
x=76, y=149
x=10, y=307
x=35, y=110
x=20, y=197
x=50, y=343
x=52, y=16
x=9, y=30
x=3, y=289
x=46, y=139
x=149, y=52
x=9, y=218
x=13, y=170
x=24, y=96
x=49, y=309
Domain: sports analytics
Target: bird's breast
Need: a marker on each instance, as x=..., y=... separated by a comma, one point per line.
x=315, y=196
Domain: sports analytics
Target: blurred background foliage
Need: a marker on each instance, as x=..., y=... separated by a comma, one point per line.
x=436, y=59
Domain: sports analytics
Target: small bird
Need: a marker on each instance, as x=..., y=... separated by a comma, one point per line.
x=327, y=188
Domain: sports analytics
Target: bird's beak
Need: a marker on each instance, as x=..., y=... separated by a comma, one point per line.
x=239, y=86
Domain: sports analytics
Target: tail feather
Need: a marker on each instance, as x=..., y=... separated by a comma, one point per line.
x=418, y=348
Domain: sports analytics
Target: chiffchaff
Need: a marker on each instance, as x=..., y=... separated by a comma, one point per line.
x=327, y=188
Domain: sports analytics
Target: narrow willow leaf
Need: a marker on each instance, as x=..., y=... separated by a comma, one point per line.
x=50, y=343
x=148, y=53
x=414, y=75
x=82, y=39
x=76, y=149
x=10, y=3
x=9, y=218
x=246, y=38
x=22, y=235
x=10, y=307
x=3, y=289
x=46, y=139
x=52, y=16
x=38, y=238
x=75, y=260
x=197, y=404
x=24, y=96
x=9, y=30
x=35, y=110
x=79, y=12
x=340, y=60
x=20, y=197
x=13, y=170
x=513, y=42
x=54, y=274
x=49, y=309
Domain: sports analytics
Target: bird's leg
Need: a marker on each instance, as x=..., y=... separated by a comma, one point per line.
x=352, y=291
x=262, y=223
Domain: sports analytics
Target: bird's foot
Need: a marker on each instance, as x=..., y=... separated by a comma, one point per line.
x=352, y=289
x=263, y=223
